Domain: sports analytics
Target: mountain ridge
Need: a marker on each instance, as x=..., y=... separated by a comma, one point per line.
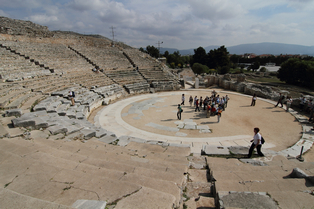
x=256, y=48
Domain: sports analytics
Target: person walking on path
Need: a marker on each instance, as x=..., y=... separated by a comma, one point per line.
x=254, y=98
x=197, y=105
x=256, y=143
x=280, y=100
x=183, y=99
x=195, y=98
x=227, y=99
x=219, y=114
x=191, y=101
x=179, y=112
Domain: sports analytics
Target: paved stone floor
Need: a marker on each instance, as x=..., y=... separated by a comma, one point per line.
x=153, y=117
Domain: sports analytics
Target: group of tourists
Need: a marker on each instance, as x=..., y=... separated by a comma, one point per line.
x=213, y=105
x=282, y=99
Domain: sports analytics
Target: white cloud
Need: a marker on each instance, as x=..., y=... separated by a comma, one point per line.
x=178, y=23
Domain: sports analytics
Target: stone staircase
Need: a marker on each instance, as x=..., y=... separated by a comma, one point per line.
x=239, y=183
x=64, y=171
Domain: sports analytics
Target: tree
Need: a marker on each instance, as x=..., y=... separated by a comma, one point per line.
x=152, y=51
x=166, y=54
x=255, y=66
x=199, y=56
x=199, y=68
x=263, y=69
x=298, y=72
x=224, y=69
x=219, y=58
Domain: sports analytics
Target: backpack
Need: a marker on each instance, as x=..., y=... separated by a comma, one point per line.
x=73, y=94
x=262, y=140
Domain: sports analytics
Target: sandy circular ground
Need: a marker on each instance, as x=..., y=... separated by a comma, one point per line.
x=279, y=128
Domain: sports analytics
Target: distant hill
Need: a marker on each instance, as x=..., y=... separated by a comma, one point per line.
x=256, y=48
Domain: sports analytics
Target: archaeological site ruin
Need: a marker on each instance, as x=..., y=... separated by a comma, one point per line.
x=119, y=144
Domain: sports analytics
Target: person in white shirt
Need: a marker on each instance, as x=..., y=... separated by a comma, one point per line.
x=289, y=102
x=256, y=143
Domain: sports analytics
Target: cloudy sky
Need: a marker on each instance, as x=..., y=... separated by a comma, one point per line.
x=180, y=24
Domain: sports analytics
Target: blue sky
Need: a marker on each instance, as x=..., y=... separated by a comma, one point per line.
x=180, y=24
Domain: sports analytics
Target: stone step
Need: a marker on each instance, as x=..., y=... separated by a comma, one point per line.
x=5, y=100
x=11, y=199
x=17, y=103
x=68, y=171
x=147, y=197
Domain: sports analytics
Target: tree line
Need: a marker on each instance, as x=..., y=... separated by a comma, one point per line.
x=296, y=71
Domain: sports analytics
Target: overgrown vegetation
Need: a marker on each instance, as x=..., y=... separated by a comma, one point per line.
x=297, y=72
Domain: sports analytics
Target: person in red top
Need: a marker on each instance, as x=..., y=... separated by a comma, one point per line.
x=213, y=110
x=208, y=111
x=197, y=105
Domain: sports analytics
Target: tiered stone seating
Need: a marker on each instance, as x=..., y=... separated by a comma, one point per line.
x=123, y=77
x=266, y=180
x=140, y=59
x=156, y=74
x=14, y=67
x=142, y=87
x=90, y=79
x=113, y=90
x=61, y=172
x=55, y=56
x=132, y=81
x=104, y=57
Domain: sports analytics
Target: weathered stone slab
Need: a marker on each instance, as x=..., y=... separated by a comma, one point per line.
x=108, y=139
x=189, y=127
x=215, y=150
x=73, y=129
x=253, y=162
x=53, y=107
x=3, y=132
x=13, y=112
x=89, y=204
x=239, y=150
x=88, y=133
x=101, y=132
x=57, y=129
x=40, y=123
x=23, y=122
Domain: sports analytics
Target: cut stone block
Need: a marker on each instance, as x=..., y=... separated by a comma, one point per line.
x=215, y=150
x=57, y=129
x=108, y=139
x=239, y=150
x=89, y=204
x=13, y=112
x=23, y=122
x=88, y=133
x=40, y=123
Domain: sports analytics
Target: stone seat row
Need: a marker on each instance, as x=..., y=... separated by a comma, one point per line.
x=123, y=168
x=142, y=87
x=125, y=76
x=155, y=75
x=108, y=58
x=63, y=60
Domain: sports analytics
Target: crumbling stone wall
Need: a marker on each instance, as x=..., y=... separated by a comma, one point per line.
x=20, y=27
x=240, y=85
